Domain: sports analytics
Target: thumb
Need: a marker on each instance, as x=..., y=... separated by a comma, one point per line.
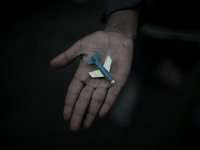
x=66, y=57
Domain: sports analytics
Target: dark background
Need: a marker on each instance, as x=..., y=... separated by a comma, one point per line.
x=33, y=93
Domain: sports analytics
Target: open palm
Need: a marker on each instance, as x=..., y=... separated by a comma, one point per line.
x=86, y=96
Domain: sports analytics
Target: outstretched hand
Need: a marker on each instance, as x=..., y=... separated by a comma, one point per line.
x=86, y=96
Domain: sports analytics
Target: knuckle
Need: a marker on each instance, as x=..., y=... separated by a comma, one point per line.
x=72, y=92
x=92, y=113
x=68, y=105
x=84, y=99
x=97, y=100
x=78, y=113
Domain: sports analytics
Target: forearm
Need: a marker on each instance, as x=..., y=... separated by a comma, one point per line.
x=124, y=22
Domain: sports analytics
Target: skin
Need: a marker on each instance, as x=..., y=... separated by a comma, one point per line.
x=87, y=97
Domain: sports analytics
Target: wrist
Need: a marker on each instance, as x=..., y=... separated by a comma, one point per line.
x=123, y=22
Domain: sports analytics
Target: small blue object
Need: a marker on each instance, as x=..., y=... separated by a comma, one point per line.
x=103, y=70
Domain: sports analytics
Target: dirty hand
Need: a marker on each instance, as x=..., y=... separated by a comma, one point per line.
x=86, y=96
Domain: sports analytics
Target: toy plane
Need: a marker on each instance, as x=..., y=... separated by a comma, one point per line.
x=104, y=71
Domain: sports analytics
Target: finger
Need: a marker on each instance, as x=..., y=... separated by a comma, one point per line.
x=81, y=107
x=111, y=96
x=95, y=104
x=74, y=89
x=66, y=57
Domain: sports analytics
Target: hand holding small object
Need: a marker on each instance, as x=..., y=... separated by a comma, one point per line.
x=86, y=97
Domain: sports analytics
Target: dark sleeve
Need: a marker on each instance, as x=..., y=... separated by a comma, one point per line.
x=113, y=5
